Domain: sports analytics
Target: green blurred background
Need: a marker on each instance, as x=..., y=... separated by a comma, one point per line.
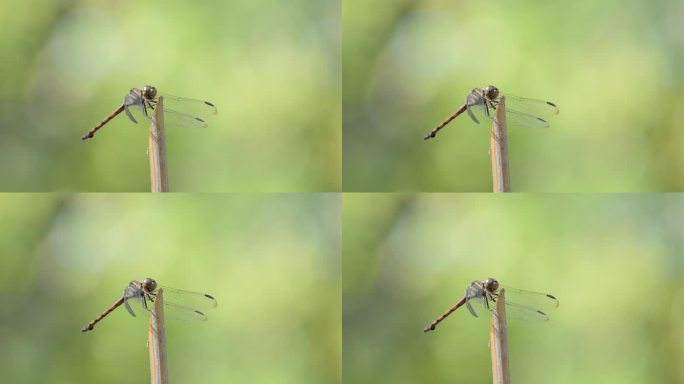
x=271, y=261
x=615, y=262
x=613, y=67
x=272, y=68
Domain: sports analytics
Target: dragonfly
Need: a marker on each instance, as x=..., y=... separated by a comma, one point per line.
x=520, y=111
x=186, y=305
x=177, y=110
x=526, y=305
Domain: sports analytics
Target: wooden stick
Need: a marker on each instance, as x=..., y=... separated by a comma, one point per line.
x=156, y=340
x=157, y=150
x=498, y=342
x=498, y=150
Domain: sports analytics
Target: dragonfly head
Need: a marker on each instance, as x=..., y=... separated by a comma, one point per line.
x=149, y=92
x=491, y=93
x=149, y=285
x=491, y=285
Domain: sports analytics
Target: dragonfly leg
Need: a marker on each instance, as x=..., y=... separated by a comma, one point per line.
x=145, y=104
x=146, y=297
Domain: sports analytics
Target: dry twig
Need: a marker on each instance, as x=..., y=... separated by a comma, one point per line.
x=498, y=342
x=157, y=150
x=159, y=372
x=501, y=176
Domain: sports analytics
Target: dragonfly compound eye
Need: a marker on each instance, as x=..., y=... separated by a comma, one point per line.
x=149, y=284
x=491, y=285
x=150, y=92
x=492, y=92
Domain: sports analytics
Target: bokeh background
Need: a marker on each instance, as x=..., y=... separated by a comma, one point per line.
x=272, y=68
x=614, y=68
x=271, y=261
x=615, y=262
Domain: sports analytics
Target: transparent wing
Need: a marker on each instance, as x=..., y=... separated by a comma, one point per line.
x=522, y=312
x=519, y=119
x=514, y=117
x=191, y=107
x=479, y=113
x=182, y=312
x=523, y=305
x=516, y=310
x=176, y=118
x=185, y=305
x=178, y=311
x=190, y=299
x=529, y=106
x=539, y=301
x=132, y=295
x=184, y=112
x=128, y=300
x=477, y=300
x=136, y=112
x=475, y=294
x=132, y=103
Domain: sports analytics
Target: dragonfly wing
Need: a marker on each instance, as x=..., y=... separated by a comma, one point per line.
x=192, y=107
x=469, y=109
x=523, y=312
x=470, y=307
x=181, y=312
x=189, y=299
x=132, y=101
x=175, y=118
x=183, y=119
x=513, y=117
x=474, y=294
x=128, y=307
x=530, y=106
x=129, y=114
x=178, y=311
x=131, y=294
x=478, y=111
x=542, y=301
x=519, y=119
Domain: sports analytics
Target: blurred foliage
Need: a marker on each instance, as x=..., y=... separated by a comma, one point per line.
x=614, y=262
x=271, y=67
x=272, y=262
x=613, y=67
